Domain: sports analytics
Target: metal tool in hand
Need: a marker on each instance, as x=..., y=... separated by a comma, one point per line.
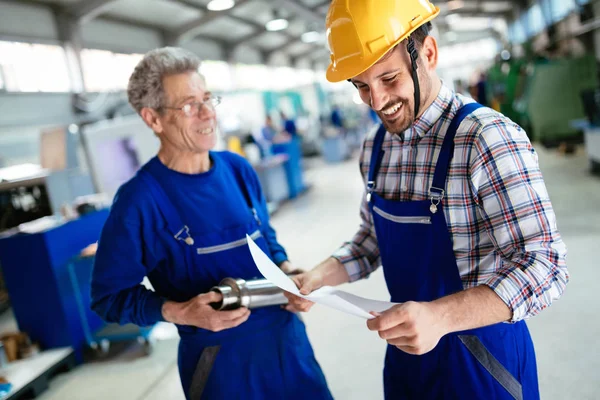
x=251, y=294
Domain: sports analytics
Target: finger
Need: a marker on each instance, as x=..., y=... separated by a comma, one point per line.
x=293, y=307
x=403, y=341
x=398, y=331
x=408, y=349
x=210, y=297
x=309, y=284
x=388, y=319
x=292, y=298
x=233, y=314
x=235, y=322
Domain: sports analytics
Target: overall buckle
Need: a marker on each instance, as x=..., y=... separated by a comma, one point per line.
x=435, y=195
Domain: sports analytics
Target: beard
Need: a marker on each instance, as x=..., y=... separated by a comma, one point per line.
x=407, y=115
x=402, y=122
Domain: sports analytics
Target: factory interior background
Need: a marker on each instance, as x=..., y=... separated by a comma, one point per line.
x=69, y=139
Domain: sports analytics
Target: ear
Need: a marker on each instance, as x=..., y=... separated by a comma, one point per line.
x=429, y=53
x=152, y=118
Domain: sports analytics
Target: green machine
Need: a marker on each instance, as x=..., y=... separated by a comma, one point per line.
x=506, y=83
x=544, y=96
x=553, y=98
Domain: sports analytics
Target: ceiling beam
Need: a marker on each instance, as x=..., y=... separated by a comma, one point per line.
x=321, y=4
x=187, y=31
x=310, y=54
x=88, y=10
x=302, y=11
x=478, y=13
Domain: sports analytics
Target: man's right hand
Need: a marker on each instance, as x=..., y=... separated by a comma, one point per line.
x=330, y=272
x=198, y=312
x=307, y=282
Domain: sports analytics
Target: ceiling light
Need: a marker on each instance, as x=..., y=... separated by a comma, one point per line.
x=455, y=5
x=310, y=37
x=277, y=24
x=220, y=5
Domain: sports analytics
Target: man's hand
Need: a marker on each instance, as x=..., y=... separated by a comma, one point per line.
x=289, y=269
x=307, y=282
x=330, y=272
x=198, y=312
x=414, y=328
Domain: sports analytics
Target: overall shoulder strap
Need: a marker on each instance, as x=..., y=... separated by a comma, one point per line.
x=376, y=157
x=445, y=156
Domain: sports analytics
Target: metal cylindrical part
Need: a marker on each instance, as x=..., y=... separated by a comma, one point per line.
x=251, y=294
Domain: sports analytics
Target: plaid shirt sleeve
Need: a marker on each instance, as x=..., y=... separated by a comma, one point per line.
x=516, y=212
x=360, y=256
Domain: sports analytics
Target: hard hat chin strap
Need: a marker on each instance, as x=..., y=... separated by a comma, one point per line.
x=414, y=55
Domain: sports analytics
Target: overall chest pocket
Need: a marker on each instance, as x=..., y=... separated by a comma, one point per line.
x=402, y=219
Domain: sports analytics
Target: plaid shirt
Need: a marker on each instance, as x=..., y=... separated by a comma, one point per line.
x=498, y=212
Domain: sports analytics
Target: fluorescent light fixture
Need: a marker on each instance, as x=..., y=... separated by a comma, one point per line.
x=220, y=5
x=455, y=4
x=310, y=37
x=278, y=24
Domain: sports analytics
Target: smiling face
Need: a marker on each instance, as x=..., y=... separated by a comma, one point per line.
x=178, y=131
x=388, y=88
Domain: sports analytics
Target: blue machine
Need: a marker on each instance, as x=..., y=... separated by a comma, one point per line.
x=49, y=285
x=293, y=168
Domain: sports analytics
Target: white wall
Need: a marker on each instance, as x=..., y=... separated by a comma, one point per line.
x=205, y=49
x=247, y=55
x=118, y=37
x=27, y=22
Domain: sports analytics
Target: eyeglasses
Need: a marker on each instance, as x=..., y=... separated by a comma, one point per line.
x=193, y=109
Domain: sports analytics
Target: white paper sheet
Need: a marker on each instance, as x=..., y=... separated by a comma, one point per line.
x=328, y=296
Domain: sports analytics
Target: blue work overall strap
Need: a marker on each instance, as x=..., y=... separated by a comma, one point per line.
x=447, y=151
x=376, y=157
x=175, y=225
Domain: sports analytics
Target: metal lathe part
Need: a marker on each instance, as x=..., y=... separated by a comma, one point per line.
x=251, y=294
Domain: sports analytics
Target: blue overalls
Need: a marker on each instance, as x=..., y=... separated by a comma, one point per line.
x=494, y=362
x=268, y=356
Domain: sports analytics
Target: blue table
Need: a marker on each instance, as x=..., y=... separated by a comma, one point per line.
x=36, y=272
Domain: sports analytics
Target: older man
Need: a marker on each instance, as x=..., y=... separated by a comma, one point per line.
x=182, y=222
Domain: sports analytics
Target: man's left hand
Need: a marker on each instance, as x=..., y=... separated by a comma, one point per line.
x=289, y=269
x=412, y=327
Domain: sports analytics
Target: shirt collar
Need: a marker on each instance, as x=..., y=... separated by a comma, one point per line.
x=427, y=120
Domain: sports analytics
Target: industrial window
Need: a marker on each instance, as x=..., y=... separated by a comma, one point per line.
x=536, y=22
x=562, y=8
x=105, y=71
x=517, y=32
x=218, y=75
x=33, y=68
x=2, y=86
x=468, y=53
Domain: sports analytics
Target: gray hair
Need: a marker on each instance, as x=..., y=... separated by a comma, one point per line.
x=145, y=88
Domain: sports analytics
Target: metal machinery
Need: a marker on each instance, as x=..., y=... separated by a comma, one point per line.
x=251, y=294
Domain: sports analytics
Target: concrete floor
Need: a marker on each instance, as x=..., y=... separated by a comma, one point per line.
x=351, y=356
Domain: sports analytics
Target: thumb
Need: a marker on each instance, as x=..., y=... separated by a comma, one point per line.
x=210, y=297
x=308, y=284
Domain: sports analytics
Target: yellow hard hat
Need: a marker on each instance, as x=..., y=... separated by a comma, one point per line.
x=360, y=32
